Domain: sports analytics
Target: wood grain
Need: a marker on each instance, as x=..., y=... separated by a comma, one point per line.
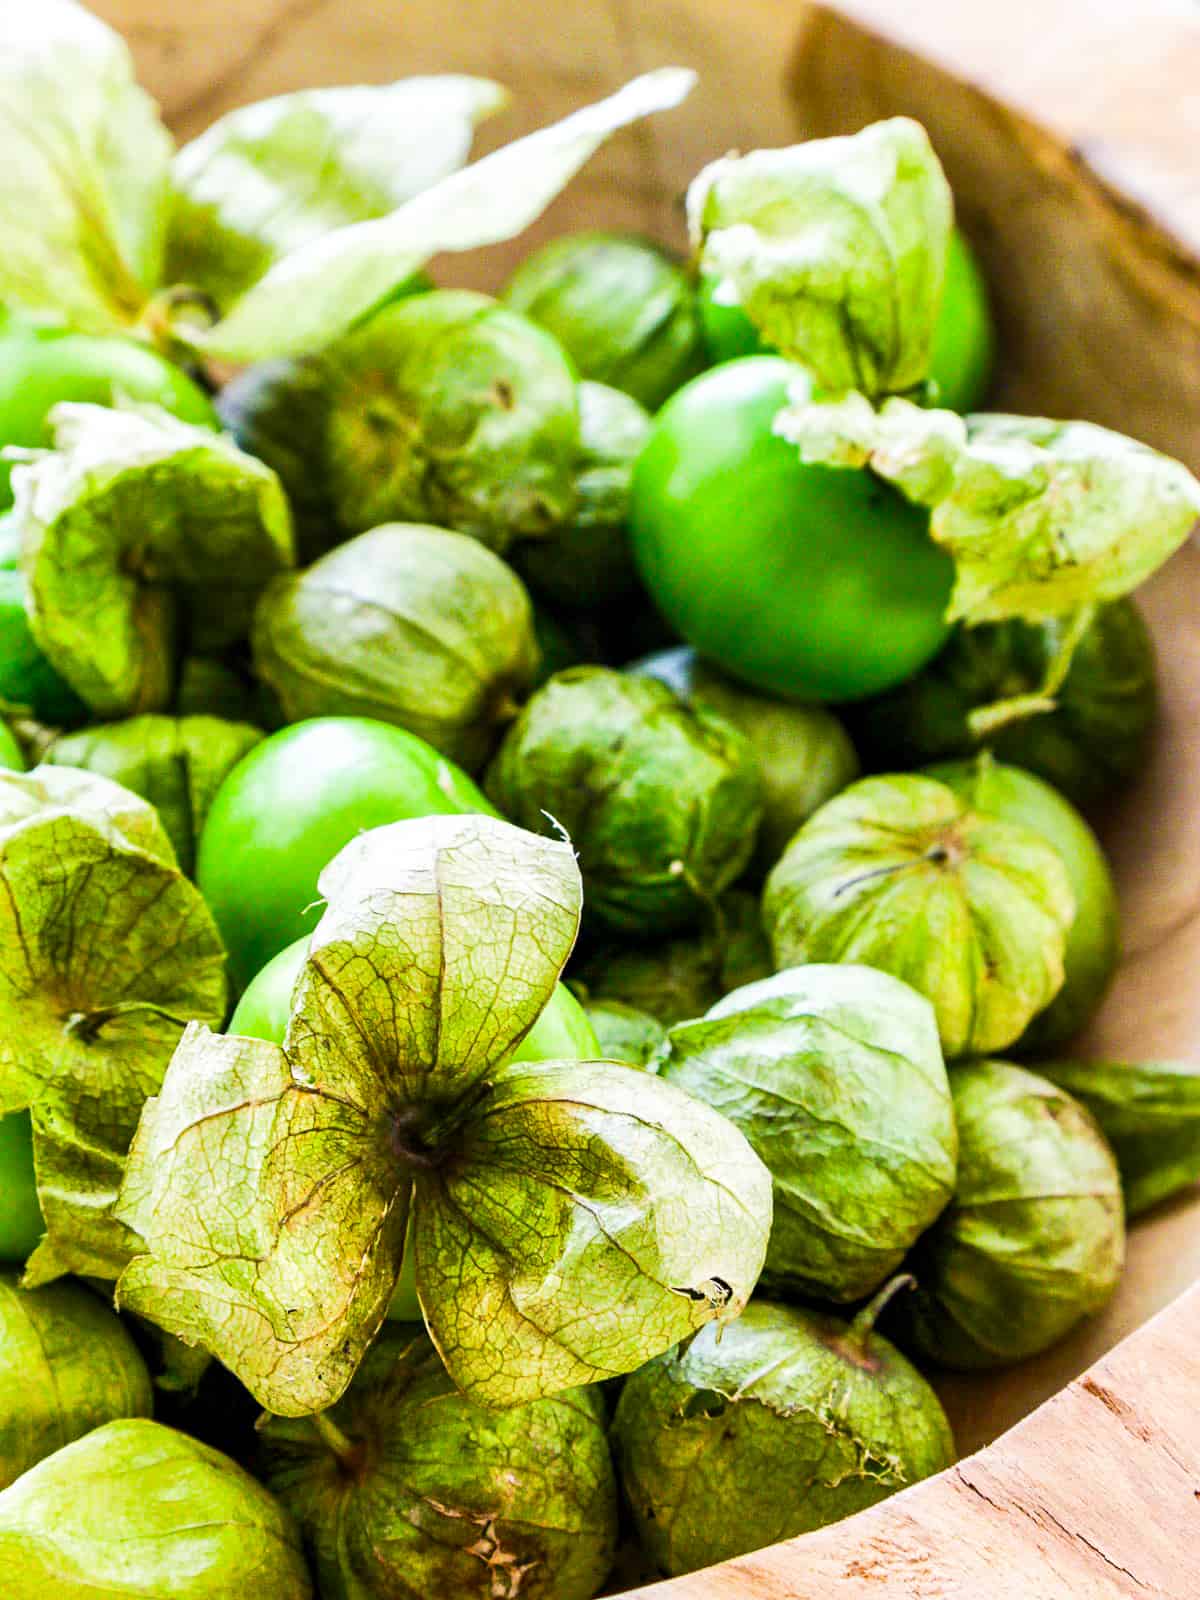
x=1069, y=128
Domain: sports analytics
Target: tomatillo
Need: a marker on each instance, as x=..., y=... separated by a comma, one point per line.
x=811, y=582
x=1093, y=944
x=291, y=804
x=964, y=340
x=27, y=678
x=41, y=366
x=12, y=757
x=563, y=1032
x=21, y=1224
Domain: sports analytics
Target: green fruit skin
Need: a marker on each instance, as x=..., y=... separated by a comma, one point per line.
x=40, y=367
x=135, y=1509
x=12, y=757
x=444, y=1500
x=608, y=757
x=67, y=1365
x=964, y=340
x=1093, y=945
x=453, y=409
x=620, y=306
x=1089, y=748
x=287, y=809
x=265, y=1007
x=836, y=1078
x=563, y=1032
x=812, y=583
x=26, y=677
x=783, y=1424
x=21, y=1221
x=804, y=754
x=728, y=331
x=1034, y=1239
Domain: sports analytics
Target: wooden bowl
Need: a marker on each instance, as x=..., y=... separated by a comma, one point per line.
x=1069, y=129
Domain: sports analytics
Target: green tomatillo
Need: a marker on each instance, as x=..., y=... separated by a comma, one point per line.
x=963, y=354
x=563, y=1032
x=788, y=1421
x=1034, y=1239
x=287, y=809
x=140, y=533
x=963, y=349
x=661, y=800
x=107, y=953
x=452, y=409
x=1093, y=943
x=567, y=1219
x=116, y=1513
x=67, y=1365
x=836, y=248
x=901, y=873
x=621, y=308
x=12, y=757
x=407, y=624
x=21, y=1221
x=835, y=1076
x=806, y=582
x=29, y=684
x=406, y=1488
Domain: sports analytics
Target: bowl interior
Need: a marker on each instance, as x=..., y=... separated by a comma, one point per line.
x=767, y=73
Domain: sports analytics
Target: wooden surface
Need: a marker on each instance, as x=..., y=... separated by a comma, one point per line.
x=1071, y=131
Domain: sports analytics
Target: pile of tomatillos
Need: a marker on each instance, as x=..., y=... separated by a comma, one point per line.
x=546, y=896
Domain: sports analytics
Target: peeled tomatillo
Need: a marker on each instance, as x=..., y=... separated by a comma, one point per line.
x=21, y=1223
x=41, y=366
x=813, y=583
x=288, y=808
